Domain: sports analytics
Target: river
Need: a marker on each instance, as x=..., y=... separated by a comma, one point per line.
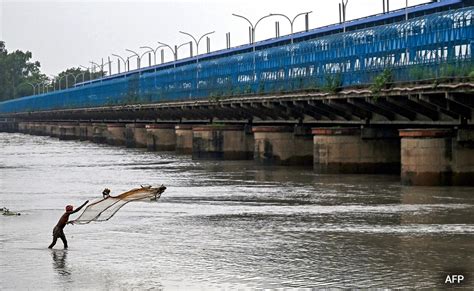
x=222, y=224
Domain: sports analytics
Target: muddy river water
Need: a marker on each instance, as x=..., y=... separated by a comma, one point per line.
x=222, y=224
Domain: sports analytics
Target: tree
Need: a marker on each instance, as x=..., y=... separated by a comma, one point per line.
x=20, y=77
x=16, y=71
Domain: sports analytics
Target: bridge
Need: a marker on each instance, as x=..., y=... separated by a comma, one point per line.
x=368, y=96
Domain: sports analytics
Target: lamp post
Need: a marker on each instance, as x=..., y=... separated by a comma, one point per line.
x=31, y=86
x=96, y=65
x=197, y=41
x=54, y=80
x=124, y=63
x=252, y=26
x=407, y=52
x=252, y=37
x=59, y=81
x=150, y=49
x=174, y=51
x=406, y=10
x=149, y=57
x=292, y=21
x=343, y=7
x=137, y=55
x=88, y=71
x=83, y=73
x=74, y=76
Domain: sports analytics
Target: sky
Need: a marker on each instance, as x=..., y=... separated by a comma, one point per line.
x=70, y=33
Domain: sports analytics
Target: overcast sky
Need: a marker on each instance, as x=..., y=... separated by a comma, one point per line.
x=64, y=34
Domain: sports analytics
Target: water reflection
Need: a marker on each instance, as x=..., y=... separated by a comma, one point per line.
x=60, y=262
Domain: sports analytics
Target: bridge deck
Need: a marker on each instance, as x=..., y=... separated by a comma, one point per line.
x=428, y=104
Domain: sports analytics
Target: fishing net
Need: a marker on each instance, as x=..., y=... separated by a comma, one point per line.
x=105, y=208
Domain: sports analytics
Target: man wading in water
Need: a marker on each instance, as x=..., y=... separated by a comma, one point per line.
x=58, y=229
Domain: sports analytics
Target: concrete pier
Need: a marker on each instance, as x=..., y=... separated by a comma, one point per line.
x=67, y=131
x=22, y=127
x=116, y=134
x=437, y=157
x=83, y=131
x=222, y=142
x=283, y=145
x=135, y=135
x=8, y=126
x=184, y=138
x=54, y=130
x=42, y=128
x=356, y=151
x=99, y=132
x=161, y=137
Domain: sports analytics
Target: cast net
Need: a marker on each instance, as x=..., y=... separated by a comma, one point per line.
x=105, y=208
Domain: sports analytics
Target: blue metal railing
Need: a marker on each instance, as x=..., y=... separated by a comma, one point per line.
x=432, y=46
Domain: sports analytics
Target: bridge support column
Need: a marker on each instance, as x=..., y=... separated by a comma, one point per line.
x=161, y=137
x=99, y=132
x=67, y=131
x=222, y=142
x=437, y=157
x=48, y=128
x=42, y=128
x=116, y=134
x=83, y=131
x=135, y=135
x=34, y=128
x=9, y=126
x=54, y=130
x=283, y=145
x=22, y=127
x=356, y=151
x=184, y=138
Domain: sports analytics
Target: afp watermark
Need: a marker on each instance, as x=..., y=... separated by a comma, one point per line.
x=454, y=279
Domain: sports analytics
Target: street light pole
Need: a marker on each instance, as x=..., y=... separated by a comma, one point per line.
x=152, y=50
x=138, y=57
x=292, y=21
x=174, y=51
x=197, y=41
x=59, y=81
x=54, y=79
x=83, y=73
x=31, y=86
x=343, y=12
x=75, y=80
x=118, y=62
x=253, y=28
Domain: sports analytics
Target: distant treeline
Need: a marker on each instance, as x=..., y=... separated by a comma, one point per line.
x=19, y=76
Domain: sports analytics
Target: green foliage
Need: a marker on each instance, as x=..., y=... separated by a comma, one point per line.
x=247, y=89
x=261, y=87
x=215, y=97
x=17, y=72
x=19, y=76
x=382, y=81
x=312, y=85
x=333, y=83
x=471, y=75
x=419, y=72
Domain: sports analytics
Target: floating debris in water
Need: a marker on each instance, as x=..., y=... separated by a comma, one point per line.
x=6, y=211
